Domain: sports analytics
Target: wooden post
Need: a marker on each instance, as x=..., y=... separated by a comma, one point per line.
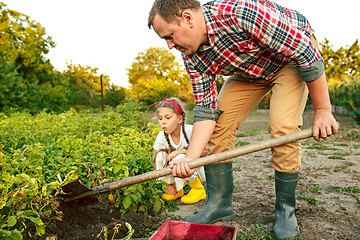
x=102, y=94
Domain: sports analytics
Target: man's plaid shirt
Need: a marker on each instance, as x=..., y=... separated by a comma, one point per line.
x=253, y=37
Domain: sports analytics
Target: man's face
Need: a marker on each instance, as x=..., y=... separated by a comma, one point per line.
x=178, y=34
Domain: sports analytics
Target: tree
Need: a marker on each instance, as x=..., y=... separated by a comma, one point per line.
x=27, y=79
x=23, y=44
x=86, y=81
x=156, y=73
x=340, y=63
x=114, y=95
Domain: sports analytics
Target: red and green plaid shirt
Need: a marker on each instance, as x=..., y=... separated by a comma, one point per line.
x=253, y=37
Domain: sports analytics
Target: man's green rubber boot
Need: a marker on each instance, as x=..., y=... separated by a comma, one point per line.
x=219, y=182
x=286, y=224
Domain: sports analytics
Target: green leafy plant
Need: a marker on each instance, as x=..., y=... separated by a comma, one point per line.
x=41, y=153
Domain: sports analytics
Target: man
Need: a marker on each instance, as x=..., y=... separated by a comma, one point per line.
x=261, y=46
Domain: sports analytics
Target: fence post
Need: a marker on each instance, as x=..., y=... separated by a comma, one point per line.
x=102, y=95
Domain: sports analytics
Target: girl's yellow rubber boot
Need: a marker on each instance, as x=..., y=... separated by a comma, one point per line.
x=169, y=197
x=196, y=193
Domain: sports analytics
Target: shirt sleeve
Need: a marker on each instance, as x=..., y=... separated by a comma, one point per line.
x=281, y=34
x=205, y=94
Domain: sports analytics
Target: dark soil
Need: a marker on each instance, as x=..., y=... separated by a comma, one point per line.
x=335, y=216
x=87, y=222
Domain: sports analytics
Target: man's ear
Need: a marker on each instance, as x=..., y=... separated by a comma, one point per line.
x=187, y=17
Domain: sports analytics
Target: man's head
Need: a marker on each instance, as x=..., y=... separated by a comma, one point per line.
x=171, y=10
x=180, y=22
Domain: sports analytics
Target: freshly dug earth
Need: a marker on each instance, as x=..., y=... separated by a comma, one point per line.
x=326, y=207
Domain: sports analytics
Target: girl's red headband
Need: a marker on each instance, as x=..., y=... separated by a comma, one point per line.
x=177, y=107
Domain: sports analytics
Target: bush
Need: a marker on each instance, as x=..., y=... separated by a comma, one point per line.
x=346, y=93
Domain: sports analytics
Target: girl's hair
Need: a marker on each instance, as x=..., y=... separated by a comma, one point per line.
x=170, y=105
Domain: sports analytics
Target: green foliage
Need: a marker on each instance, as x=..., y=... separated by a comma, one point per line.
x=342, y=68
x=85, y=81
x=40, y=153
x=346, y=93
x=156, y=73
x=27, y=79
x=343, y=62
x=114, y=95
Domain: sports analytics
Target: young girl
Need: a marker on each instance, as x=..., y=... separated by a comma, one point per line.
x=171, y=143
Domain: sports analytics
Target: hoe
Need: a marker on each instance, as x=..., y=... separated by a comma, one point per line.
x=77, y=190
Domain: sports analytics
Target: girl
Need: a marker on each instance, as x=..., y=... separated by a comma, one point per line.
x=171, y=143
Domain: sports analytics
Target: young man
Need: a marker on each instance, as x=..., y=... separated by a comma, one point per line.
x=261, y=46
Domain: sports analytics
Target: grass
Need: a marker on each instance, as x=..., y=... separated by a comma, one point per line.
x=353, y=191
x=255, y=231
x=336, y=157
x=315, y=189
x=241, y=143
x=321, y=147
x=245, y=132
x=310, y=200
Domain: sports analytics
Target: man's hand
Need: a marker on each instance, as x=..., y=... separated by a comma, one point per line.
x=324, y=125
x=180, y=168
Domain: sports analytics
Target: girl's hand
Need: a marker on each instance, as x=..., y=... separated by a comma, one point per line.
x=172, y=155
x=180, y=168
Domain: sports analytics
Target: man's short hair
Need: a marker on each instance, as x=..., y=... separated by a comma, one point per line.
x=170, y=10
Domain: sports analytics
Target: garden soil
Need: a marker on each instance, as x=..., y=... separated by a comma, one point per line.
x=328, y=212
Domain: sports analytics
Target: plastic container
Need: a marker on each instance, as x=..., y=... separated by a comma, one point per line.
x=178, y=230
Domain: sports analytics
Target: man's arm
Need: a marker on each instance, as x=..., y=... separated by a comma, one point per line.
x=202, y=131
x=324, y=123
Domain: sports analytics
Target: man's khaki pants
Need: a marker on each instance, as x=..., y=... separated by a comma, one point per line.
x=240, y=95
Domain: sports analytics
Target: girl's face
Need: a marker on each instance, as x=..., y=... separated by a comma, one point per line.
x=169, y=120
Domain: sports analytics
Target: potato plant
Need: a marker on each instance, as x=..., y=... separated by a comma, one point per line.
x=41, y=153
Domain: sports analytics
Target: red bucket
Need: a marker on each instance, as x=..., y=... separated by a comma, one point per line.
x=178, y=230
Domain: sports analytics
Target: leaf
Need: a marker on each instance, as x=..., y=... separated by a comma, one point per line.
x=157, y=205
x=59, y=177
x=130, y=232
x=15, y=235
x=127, y=202
x=40, y=230
x=116, y=169
x=37, y=221
x=2, y=204
x=11, y=221
x=140, y=190
x=142, y=208
x=6, y=178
